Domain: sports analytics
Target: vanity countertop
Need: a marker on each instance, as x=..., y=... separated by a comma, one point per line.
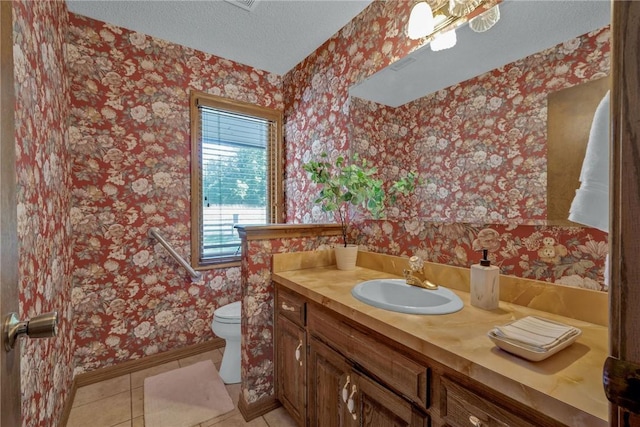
x=567, y=386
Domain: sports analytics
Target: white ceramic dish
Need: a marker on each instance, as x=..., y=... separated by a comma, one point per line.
x=530, y=352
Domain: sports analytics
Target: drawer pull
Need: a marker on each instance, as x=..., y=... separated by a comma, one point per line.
x=287, y=307
x=298, y=353
x=475, y=421
x=351, y=404
x=345, y=390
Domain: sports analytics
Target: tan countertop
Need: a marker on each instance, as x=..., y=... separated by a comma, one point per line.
x=567, y=386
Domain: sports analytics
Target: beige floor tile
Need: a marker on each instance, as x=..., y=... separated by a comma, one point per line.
x=234, y=392
x=97, y=391
x=235, y=421
x=219, y=361
x=213, y=355
x=279, y=417
x=137, y=378
x=137, y=402
x=106, y=412
x=219, y=420
x=137, y=422
x=125, y=424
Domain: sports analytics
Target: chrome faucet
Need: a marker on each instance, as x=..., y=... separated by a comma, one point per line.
x=415, y=274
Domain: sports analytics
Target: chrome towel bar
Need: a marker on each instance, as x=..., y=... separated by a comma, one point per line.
x=155, y=233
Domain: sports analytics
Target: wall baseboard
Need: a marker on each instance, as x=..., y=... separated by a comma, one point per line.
x=109, y=372
x=130, y=366
x=254, y=410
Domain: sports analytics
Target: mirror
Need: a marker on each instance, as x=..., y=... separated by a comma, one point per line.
x=472, y=120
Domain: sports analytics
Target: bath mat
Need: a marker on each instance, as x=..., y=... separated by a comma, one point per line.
x=185, y=397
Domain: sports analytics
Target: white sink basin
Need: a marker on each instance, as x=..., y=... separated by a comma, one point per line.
x=396, y=295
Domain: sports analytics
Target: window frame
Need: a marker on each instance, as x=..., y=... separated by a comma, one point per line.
x=275, y=178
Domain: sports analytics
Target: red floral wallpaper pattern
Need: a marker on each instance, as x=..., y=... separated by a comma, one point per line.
x=43, y=167
x=480, y=145
x=570, y=256
x=258, y=310
x=507, y=145
x=130, y=144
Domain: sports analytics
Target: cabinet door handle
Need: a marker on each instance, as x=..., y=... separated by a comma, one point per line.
x=351, y=404
x=299, y=353
x=286, y=307
x=475, y=421
x=345, y=390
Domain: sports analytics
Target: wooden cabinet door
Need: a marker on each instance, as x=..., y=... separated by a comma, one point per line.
x=376, y=406
x=291, y=349
x=329, y=376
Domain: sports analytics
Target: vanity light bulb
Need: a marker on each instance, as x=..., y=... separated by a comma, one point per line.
x=444, y=41
x=420, y=21
x=485, y=20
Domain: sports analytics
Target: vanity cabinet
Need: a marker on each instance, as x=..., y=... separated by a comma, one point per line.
x=460, y=407
x=392, y=368
x=291, y=355
x=328, y=388
x=340, y=395
x=333, y=372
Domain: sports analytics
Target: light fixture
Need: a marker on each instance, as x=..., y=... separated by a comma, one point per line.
x=437, y=20
x=462, y=7
x=420, y=21
x=444, y=41
x=485, y=20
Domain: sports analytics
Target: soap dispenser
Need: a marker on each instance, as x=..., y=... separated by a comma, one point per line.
x=485, y=284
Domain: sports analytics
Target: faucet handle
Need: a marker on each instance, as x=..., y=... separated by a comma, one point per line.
x=416, y=263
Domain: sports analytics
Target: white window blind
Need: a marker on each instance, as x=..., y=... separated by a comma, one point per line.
x=233, y=178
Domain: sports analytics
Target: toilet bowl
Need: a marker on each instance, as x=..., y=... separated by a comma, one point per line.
x=226, y=325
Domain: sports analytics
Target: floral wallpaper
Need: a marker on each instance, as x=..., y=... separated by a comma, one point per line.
x=130, y=143
x=317, y=94
x=570, y=256
x=467, y=142
x=480, y=145
x=258, y=309
x=43, y=168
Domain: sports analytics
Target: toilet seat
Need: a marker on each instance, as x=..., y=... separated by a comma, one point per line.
x=229, y=313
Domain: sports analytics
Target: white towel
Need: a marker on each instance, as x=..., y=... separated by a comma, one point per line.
x=607, y=272
x=591, y=203
x=536, y=332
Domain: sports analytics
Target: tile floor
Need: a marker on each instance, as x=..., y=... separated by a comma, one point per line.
x=118, y=402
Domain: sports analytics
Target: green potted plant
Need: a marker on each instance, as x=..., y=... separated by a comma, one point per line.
x=344, y=186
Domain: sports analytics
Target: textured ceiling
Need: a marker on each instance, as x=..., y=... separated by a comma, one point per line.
x=275, y=36
x=525, y=27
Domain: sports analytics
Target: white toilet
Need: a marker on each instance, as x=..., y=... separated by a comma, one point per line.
x=226, y=324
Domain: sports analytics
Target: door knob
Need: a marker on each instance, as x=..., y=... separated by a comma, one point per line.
x=42, y=326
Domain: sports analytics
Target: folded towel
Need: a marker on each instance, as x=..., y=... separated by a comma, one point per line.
x=607, y=272
x=590, y=206
x=591, y=203
x=536, y=332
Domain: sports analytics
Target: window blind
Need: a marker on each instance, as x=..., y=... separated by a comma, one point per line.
x=234, y=178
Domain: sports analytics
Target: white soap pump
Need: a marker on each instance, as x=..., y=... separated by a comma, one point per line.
x=485, y=284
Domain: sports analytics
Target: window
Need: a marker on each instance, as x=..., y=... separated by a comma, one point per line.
x=236, y=174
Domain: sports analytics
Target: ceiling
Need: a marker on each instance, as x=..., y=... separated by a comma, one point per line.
x=274, y=36
x=525, y=27
x=278, y=34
